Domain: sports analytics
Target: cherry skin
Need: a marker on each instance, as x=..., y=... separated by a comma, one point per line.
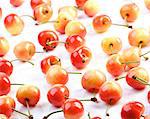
x=80, y=3
x=92, y=80
x=132, y=110
x=28, y=94
x=114, y=65
x=137, y=72
x=81, y=57
x=73, y=42
x=4, y=46
x=16, y=3
x=56, y=75
x=14, y=24
x=111, y=45
x=61, y=22
x=139, y=36
x=75, y=28
x=110, y=92
x=101, y=23
x=24, y=50
x=2, y=116
x=46, y=37
x=42, y=13
x=73, y=109
x=0, y=13
x=6, y=105
x=47, y=62
x=35, y=3
x=148, y=96
x=129, y=12
x=57, y=95
x=147, y=4
x=5, y=84
x=91, y=8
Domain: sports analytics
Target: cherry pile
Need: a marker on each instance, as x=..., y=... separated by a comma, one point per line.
x=120, y=64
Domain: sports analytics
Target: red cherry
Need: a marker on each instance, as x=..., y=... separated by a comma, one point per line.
x=47, y=62
x=148, y=96
x=16, y=3
x=136, y=76
x=73, y=42
x=80, y=3
x=6, y=67
x=132, y=110
x=57, y=95
x=6, y=105
x=81, y=57
x=35, y=3
x=4, y=84
x=47, y=38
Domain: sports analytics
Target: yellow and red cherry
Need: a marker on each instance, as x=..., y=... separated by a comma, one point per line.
x=148, y=96
x=47, y=62
x=139, y=37
x=2, y=116
x=48, y=39
x=114, y=65
x=91, y=8
x=42, y=13
x=58, y=94
x=73, y=42
x=14, y=24
x=111, y=45
x=132, y=110
x=72, y=109
x=147, y=4
x=4, y=46
x=137, y=78
x=81, y=57
x=24, y=50
x=35, y=3
x=92, y=80
x=129, y=12
x=7, y=104
x=110, y=92
x=16, y=3
x=80, y=3
x=6, y=67
x=70, y=10
x=75, y=28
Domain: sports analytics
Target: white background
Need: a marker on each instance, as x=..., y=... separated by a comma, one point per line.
x=28, y=74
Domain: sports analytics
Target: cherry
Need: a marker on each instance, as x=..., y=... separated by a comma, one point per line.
x=57, y=95
x=132, y=110
x=129, y=12
x=111, y=45
x=73, y=42
x=81, y=57
x=147, y=4
x=137, y=78
x=110, y=92
x=45, y=39
x=42, y=13
x=6, y=105
x=14, y=24
x=114, y=65
x=92, y=80
x=148, y=96
x=35, y=3
x=24, y=50
x=16, y=3
x=58, y=75
x=72, y=109
x=75, y=28
x=139, y=37
x=91, y=8
x=80, y=3
x=4, y=46
x=2, y=116
x=49, y=61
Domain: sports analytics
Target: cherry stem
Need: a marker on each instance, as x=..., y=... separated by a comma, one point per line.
x=142, y=116
x=39, y=52
x=74, y=72
x=130, y=62
x=78, y=8
x=20, y=112
x=53, y=63
x=51, y=42
x=89, y=115
x=128, y=26
x=47, y=22
x=140, y=80
x=28, y=108
x=14, y=84
x=46, y=117
x=22, y=61
x=28, y=16
x=110, y=46
x=107, y=109
x=145, y=54
x=94, y=99
x=116, y=79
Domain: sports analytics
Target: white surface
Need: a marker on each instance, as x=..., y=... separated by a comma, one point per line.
x=25, y=73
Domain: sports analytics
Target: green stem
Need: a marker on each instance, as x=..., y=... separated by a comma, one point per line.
x=46, y=117
x=116, y=79
x=74, y=72
x=17, y=84
x=128, y=26
x=28, y=16
x=20, y=112
x=47, y=22
x=141, y=80
x=145, y=54
x=22, y=61
x=130, y=62
x=89, y=115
